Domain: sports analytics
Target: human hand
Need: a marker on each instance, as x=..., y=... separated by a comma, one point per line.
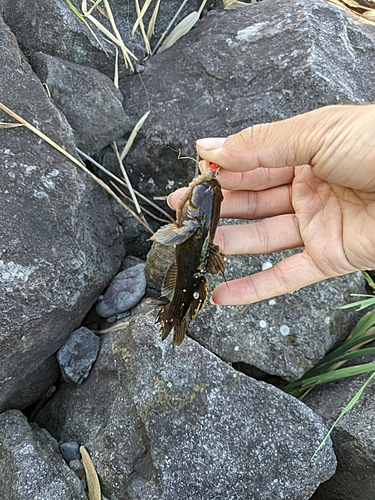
x=311, y=179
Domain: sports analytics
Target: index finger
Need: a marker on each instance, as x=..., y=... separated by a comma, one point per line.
x=294, y=141
x=255, y=180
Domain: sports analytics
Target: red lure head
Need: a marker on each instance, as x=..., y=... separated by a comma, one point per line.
x=212, y=166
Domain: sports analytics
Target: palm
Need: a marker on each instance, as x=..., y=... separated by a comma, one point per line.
x=327, y=216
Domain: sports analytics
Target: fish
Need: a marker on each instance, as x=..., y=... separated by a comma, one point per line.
x=197, y=217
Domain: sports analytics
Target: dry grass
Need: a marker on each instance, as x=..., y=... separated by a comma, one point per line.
x=74, y=160
x=92, y=480
x=361, y=8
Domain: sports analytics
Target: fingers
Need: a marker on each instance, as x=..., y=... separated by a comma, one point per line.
x=335, y=140
x=267, y=145
x=255, y=180
x=269, y=235
x=286, y=276
x=257, y=204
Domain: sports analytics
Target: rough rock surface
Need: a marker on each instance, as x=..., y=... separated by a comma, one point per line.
x=89, y=100
x=100, y=415
x=262, y=63
x=158, y=261
x=135, y=235
x=59, y=241
x=124, y=292
x=206, y=431
x=77, y=355
x=31, y=465
x=53, y=28
x=284, y=336
x=353, y=437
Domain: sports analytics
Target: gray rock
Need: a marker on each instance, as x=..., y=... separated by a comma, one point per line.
x=59, y=241
x=100, y=415
x=77, y=355
x=135, y=235
x=183, y=424
x=124, y=292
x=53, y=28
x=158, y=261
x=269, y=61
x=77, y=467
x=31, y=466
x=89, y=100
x=187, y=399
x=130, y=261
x=353, y=437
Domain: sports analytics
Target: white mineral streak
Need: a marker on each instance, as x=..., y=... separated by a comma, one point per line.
x=14, y=274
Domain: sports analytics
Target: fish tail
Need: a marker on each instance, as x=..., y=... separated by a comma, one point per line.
x=179, y=333
x=168, y=322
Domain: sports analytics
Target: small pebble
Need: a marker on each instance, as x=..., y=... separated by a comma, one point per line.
x=70, y=451
x=124, y=292
x=77, y=356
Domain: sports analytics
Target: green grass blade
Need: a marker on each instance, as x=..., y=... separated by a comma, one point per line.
x=350, y=405
x=325, y=367
x=76, y=12
x=346, y=346
x=332, y=376
x=370, y=301
x=366, y=322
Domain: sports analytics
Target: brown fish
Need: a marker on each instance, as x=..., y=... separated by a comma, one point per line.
x=197, y=217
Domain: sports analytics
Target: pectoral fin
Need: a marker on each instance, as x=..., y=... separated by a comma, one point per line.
x=216, y=260
x=170, y=279
x=200, y=298
x=164, y=317
x=173, y=234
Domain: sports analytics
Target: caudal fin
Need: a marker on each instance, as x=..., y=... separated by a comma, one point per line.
x=168, y=322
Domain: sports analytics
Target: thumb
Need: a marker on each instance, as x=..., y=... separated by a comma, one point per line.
x=291, y=142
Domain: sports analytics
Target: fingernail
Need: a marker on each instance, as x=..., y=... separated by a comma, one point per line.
x=169, y=201
x=211, y=143
x=212, y=302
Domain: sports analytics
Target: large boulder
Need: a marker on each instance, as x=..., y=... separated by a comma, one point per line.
x=89, y=100
x=53, y=28
x=60, y=244
x=180, y=423
x=31, y=464
x=261, y=63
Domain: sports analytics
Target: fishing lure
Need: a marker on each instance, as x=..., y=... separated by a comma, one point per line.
x=197, y=217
